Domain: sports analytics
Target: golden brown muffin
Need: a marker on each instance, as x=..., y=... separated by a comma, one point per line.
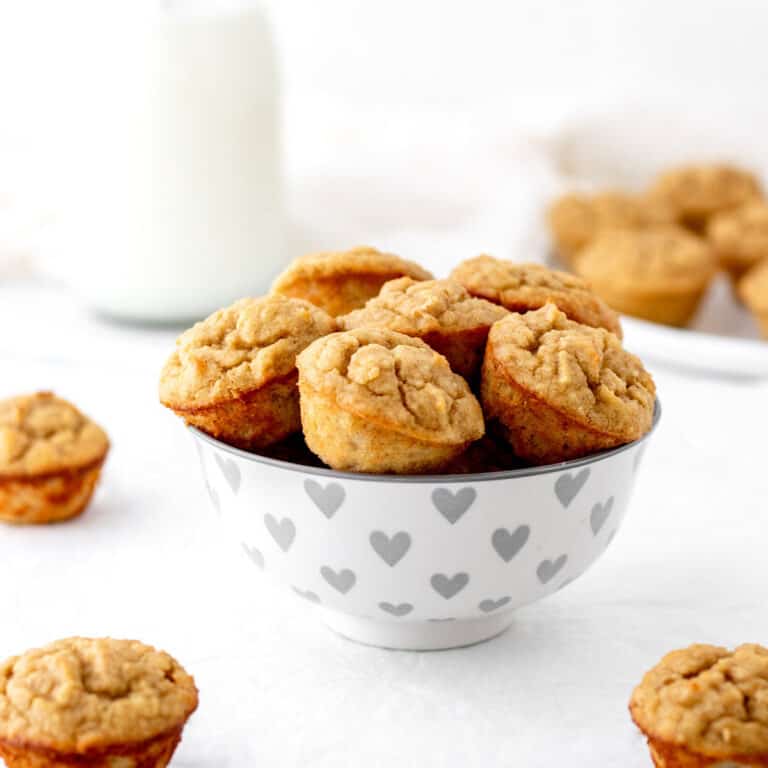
x=753, y=290
x=373, y=400
x=522, y=287
x=697, y=192
x=93, y=703
x=342, y=281
x=660, y=274
x=706, y=707
x=233, y=375
x=561, y=389
x=740, y=238
x=440, y=312
x=50, y=459
x=575, y=219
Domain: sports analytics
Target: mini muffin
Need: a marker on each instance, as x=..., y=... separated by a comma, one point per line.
x=373, y=400
x=740, y=238
x=50, y=459
x=440, y=312
x=697, y=192
x=342, y=281
x=753, y=290
x=233, y=375
x=660, y=274
x=561, y=389
x=522, y=287
x=706, y=707
x=575, y=219
x=93, y=704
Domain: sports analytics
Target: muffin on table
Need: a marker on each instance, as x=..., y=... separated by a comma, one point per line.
x=341, y=281
x=233, y=375
x=740, y=238
x=706, y=707
x=561, y=389
x=440, y=312
x=93, y=703
x=523, y=287
x=753, y=290
x=51, y=457
x=659, y=275
x=373, y=400
x=697, y=192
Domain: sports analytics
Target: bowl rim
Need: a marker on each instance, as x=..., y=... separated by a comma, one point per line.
x=505, y=474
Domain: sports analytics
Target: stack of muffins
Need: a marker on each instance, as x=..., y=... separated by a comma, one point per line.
x=653, y=255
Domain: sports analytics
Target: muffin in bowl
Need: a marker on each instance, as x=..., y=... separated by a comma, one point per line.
x=740, y=238
x=341, y=281
x=234, y=375
x=440, y=312
x=51, y=457
x=753, y=290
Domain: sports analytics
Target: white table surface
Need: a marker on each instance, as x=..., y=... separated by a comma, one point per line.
x=277, y=688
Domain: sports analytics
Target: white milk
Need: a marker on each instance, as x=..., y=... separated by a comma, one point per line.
x=167, y=168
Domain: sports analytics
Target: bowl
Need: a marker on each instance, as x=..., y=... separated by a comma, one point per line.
x=420, y=562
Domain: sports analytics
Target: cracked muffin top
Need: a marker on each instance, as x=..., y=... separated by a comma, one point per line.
x=708, y=699
x=667, y=259
x=421, y=307
x=741, y=235
x=580, y=370
x=522, y=287
x=80, y=694
x=698, y=191
x=41, y=434
x=754, y=287
x=393, y=380
x=240, y=349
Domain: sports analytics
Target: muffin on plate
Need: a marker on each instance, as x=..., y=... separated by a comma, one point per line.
x=697, y=192
x=753, y=290
x=344, y=280
x=50, y=459
x=706, y=707
x=93, y=703
x=440, y=312
x=233, y=375
x=561, y=389
x=522, y=287
x=575, y=219
x=659, y=274
x=373, y=400
x=740, y=238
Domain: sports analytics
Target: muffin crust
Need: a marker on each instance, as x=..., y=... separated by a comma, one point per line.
x=753, y=290
x=740, y=237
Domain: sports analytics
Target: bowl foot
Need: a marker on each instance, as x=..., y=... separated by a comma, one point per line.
x=417, y=635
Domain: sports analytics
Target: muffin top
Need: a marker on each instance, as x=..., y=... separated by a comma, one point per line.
x=421, y=307
x=698, y=191
x=522, y=287
x=664, y=259
x=240, y=349
x=753, y=287
x=577, y=369
x=395, y=381
x=708, y=699
x=740, y=236
x=41, y=434
x=82, y=694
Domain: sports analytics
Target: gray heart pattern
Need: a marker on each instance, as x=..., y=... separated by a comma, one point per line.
x=306, y=595
x=342, y=581
x=487, y=606
x=391, y=549
x=507, y=544
x=230, y=471
x=402, y=609
x=328, y=499
x=598, y=516
x=449, y=587
x=548, y=569
x=283, y=531
x=452, y=506
x=214, y=497
x=567, y=486
x=254, y=555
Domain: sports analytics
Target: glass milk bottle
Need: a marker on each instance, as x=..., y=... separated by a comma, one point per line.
x=168, y=162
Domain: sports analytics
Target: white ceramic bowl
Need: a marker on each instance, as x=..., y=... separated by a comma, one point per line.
x=420, y=562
